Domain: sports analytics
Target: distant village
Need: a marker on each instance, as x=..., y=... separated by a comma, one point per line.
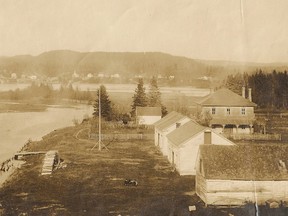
x=102, y=77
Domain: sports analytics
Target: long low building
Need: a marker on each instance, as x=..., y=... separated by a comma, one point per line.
x=236, y=175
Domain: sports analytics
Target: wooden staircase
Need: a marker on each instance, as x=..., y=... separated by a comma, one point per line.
x=51, y=160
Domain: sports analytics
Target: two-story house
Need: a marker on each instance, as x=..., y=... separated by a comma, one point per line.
x=228, y=112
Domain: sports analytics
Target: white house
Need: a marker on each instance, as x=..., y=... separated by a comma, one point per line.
x=75, y=75
x=148, y=115
x=166, y=125
x=33, y=77
x=115, y=76
x=184, y=145
x=236, y=175
x=101, y=75
x=13, y=76
x=90, y=75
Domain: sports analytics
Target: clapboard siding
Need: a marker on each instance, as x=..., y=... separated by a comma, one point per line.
x=238, y=192
x=201, y=186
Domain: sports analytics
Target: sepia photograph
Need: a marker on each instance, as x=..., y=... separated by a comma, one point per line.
x=143, y=108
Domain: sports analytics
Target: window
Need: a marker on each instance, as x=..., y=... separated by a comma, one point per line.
x=213, y=111
x=228, y=111
x=243, y=111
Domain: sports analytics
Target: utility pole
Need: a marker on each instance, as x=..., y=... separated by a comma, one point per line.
x=99, y=122
x=99, y=141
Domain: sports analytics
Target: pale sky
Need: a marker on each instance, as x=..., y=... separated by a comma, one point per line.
x=235, y=30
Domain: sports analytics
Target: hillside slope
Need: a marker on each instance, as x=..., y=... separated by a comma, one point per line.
x=126, y=64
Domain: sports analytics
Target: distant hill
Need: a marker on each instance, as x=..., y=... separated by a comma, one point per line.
x=127, y=64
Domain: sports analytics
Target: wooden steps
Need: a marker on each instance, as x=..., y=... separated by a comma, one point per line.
x=50, y=161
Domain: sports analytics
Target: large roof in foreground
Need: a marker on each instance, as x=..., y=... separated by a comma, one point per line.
x=245, y=162
x=225, y=97
x=185, y=132
x=170, y=119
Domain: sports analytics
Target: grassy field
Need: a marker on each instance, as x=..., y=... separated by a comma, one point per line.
x=93, y=181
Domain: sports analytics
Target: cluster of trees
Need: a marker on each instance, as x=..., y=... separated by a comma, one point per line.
x=110, y=112
x=269, y=90
x=47, y=92
x=152, y=99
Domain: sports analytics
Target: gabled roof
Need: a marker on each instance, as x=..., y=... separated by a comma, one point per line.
x=225, y=97
x=170, y=119
x=162, y=120
x=245, y=162
x=185, y=132
x=148, y=111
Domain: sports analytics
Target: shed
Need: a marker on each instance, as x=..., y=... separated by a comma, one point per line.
x=236, y=175
x=148, y=115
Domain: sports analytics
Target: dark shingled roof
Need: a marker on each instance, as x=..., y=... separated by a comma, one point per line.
x=148, y=111
x=170, y=119
x=245, y=162
x=225, y=97
x=185, y=132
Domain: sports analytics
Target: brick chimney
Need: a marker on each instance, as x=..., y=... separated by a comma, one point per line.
x=207, y=137
x=250, y=94
x=243, y=92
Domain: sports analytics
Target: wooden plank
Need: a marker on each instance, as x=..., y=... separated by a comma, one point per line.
x=29, y=153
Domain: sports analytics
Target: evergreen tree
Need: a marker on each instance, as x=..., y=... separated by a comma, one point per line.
x=106, y=108
x=154, y=96
x=139, y=98
x=235, y=83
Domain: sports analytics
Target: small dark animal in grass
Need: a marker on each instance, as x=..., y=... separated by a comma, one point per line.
x=130, y=182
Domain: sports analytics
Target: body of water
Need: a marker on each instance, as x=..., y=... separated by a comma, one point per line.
x=124, y=88
x=17, y=128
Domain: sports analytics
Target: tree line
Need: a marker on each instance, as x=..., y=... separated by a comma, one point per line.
x=46, y=91
x=140, y=99
x=269, y=90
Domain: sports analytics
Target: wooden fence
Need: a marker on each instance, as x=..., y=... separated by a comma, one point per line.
x=271, y=114
x=94, y=136
x=256, y=136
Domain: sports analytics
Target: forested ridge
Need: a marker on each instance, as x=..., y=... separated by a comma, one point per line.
x=269, y=90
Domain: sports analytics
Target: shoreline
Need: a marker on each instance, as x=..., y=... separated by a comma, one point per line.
x=5, y=175
x=10, y=165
